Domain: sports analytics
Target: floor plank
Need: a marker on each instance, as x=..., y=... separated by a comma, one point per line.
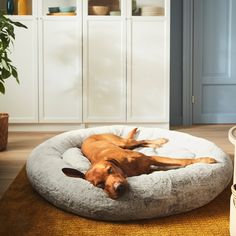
x=20, y=144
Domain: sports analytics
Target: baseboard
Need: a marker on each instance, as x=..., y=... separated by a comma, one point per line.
x=43, y=127
x=67, y=127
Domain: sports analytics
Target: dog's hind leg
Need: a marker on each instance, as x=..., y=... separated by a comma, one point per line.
x=154, y=143
x=130, y=143
x=132, y=133
x=176, y=162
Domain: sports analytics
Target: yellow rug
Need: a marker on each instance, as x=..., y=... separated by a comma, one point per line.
x=24, y=212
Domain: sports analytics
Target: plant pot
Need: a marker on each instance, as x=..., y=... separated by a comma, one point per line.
x=3, y=130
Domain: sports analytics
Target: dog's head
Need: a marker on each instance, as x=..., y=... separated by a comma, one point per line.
x=106, y=175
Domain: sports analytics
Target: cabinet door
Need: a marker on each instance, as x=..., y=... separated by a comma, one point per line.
x=21, y=100
x=148, y=70
x=104, y=69
x=61, y=73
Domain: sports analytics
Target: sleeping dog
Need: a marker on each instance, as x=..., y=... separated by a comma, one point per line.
x=113, y=159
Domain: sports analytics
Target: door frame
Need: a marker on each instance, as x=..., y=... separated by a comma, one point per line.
x=188, y=15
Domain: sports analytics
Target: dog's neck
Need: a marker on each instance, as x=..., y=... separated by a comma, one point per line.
x=113, y=161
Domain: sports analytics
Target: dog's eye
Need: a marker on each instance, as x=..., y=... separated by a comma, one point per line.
x=110, y=171
x=101, y=185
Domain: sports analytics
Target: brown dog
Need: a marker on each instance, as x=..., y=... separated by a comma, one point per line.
x=113, y=159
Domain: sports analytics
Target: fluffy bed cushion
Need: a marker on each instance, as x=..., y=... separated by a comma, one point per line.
x=158, y=194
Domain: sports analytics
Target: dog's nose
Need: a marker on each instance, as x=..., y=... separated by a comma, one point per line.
x=120, y=188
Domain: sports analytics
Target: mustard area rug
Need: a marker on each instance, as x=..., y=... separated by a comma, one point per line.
x=25, y=212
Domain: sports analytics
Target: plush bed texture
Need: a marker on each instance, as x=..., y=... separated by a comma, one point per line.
x=158, y=194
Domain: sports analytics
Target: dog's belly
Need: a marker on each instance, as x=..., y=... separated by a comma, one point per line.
x=136, y=164
x=131, y=162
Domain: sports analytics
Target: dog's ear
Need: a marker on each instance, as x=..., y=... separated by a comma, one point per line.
x=73, y=173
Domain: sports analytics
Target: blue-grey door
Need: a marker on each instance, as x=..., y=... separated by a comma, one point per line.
x=214, y=66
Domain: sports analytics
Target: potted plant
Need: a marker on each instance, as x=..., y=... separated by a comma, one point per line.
x=7, y=70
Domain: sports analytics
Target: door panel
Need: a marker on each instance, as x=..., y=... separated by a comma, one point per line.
x=61, y=78
x=147, y=66
x=214, y=85
x=104, y=71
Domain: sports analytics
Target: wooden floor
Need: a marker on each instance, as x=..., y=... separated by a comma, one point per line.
x=20, y=144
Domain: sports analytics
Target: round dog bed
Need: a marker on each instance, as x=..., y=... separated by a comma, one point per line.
x=158, y=194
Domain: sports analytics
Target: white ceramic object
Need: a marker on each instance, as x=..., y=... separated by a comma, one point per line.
x=232, y=138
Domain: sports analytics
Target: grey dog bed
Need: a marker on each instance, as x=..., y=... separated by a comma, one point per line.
x=158, y=194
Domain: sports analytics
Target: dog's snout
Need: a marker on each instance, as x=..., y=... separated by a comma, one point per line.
x=120, y=188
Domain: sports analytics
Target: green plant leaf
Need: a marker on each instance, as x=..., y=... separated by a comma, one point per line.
x=7, y=59
x=5, y=73
x=5, y=64
x=10, y=31
x=18, y=24
x=2, y=88
x=7, y=37
x=15, y=74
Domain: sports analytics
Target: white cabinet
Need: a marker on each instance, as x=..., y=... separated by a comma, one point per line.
x=60, y=64
x=104, y=68
x=60, y=70
x=126, y=63
x=21, y=100
x=148, y=49
x=48, y=56
x=148, y=70
x=87, y=69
